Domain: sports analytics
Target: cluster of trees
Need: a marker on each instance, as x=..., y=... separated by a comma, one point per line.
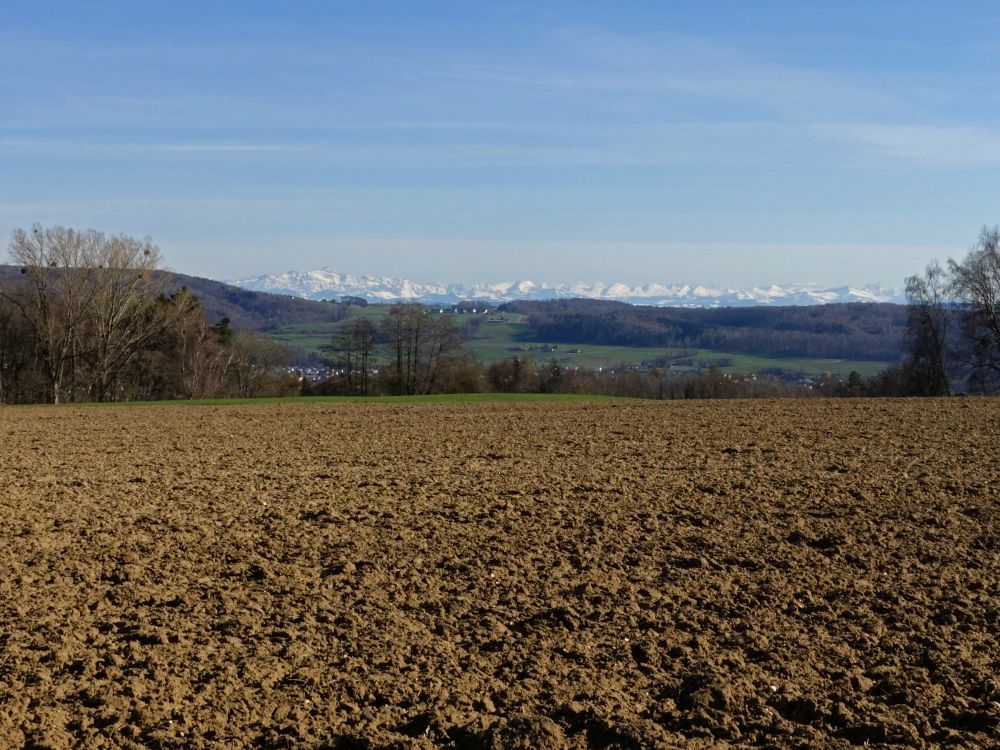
x=953, y=332
x=846, y=331
x=423, y=354
x=87, y=317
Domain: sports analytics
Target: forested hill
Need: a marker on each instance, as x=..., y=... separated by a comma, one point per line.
x=246, y=310
x=255, y=311
x=843, y=331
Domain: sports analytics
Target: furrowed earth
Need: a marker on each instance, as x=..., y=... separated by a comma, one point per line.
x=620, y=574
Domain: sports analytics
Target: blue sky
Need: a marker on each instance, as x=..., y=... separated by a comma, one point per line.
x=729, y=143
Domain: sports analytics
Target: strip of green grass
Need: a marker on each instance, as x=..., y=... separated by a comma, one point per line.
x=451, y=398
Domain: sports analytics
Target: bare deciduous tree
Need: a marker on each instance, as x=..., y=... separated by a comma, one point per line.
x=975, y=283
x=929, y=319
x=123, y=319
x=405, y=327
x=420, y=342
x=254, y=360
x=59, y=266
x=355, y=344
x=202, y=357
x=12, y=349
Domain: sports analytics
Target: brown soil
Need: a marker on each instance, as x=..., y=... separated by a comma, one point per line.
x=742, y=574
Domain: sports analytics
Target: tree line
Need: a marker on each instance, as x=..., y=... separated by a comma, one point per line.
x=91, y=317
x=523, y=374
x=953, y=334
x=87, y=317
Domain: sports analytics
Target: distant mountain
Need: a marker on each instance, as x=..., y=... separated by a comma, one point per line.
x=329, y=284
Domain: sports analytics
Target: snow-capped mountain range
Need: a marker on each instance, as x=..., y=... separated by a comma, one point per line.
x=327, y=283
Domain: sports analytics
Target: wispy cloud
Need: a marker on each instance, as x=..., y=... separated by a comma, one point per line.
x=122, y=149
x=222, y=148
x=658, y=64
x=928, y=145
x=629, y=73
x=431, y=145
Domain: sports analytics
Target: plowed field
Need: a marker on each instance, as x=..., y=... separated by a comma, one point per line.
x=624, y=574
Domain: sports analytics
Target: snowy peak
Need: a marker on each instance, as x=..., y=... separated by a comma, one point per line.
x=327, y=283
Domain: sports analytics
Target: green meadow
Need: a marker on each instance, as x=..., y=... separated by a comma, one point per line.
x=495, y=341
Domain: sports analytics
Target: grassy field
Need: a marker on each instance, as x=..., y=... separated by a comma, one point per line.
x=315, y=337
x=498, y=341
x=309, y=336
